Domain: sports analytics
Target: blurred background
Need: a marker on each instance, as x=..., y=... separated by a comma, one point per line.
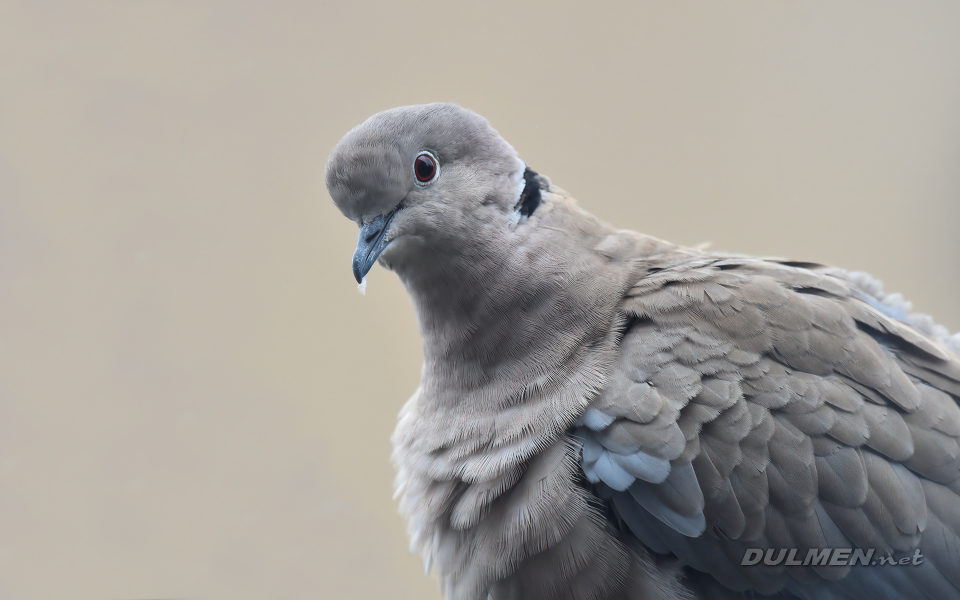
x=195, y=402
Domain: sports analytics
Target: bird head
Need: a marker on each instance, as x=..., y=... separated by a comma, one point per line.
x=419, y=180
x=503, y=268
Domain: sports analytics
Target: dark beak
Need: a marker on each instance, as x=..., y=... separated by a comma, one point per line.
x=370, y=244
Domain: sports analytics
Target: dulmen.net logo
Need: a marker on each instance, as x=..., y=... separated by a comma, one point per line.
x=824, y=557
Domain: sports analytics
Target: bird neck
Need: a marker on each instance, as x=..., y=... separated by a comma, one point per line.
x=500, y=323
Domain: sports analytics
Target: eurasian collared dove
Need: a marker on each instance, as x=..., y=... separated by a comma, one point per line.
x=603, y=414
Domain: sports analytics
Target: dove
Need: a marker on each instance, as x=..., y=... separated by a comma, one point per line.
x=603, y=414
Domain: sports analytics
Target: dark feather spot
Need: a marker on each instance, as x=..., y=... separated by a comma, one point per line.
x=799, y=264
x=897, y=344
x=530, y=196
x=812, y=291
x=727, y=266
x=627, y=326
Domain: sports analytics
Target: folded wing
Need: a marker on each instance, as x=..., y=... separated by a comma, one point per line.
x=759, y=404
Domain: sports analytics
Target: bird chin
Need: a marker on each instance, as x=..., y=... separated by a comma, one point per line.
x=400, y=251
x=389, y=253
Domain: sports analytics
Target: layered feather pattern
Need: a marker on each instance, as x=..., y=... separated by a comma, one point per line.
x=785, y=412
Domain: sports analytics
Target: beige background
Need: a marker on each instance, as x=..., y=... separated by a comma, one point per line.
x=195, y=402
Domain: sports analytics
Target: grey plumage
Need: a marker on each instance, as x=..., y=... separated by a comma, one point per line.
x=603, y=414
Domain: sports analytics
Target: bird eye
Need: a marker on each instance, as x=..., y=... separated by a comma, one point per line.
x=425, y=167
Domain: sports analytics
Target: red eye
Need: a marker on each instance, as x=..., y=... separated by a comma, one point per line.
x=425, y=168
